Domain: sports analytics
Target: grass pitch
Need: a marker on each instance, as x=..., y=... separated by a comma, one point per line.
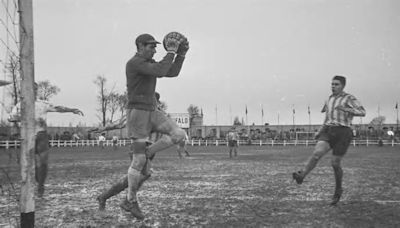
x=209, y=189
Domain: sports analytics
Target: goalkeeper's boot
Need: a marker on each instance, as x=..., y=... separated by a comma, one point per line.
x=114, y=190
x=298, y=177
x=133, y=208
x=336, y=196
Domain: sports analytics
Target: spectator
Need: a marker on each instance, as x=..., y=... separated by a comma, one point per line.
x=102, y=139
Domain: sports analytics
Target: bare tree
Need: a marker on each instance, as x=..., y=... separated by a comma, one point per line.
x=122, y=103
x=377, y=121
x=113, y=104
x=102, y=97
x=376, y=124
x=13, y=69
x=46, y=90
x=193, y=111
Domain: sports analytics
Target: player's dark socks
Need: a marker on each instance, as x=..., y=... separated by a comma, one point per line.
x=338, y=171
x=115, y=189
x=338, y=190
x=298, y=177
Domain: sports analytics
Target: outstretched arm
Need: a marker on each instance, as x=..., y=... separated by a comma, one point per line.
x=63, y=109
x=111, y=126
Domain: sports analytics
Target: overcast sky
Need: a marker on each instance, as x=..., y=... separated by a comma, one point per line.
x=274, y=53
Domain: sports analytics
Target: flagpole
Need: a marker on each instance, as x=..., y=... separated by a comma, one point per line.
x=230, y=113
x=216, y=115
x=278, y=118
x=294, y=130
x=279, y=127
x=309, y=120
x=397, y=119
x=262, y=115
x=247, y=121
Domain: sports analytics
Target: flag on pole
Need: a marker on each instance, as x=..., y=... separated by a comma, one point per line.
x=246, y=109
x=262, y=111
x=397, y=105
x=294, y=111
x=216, y=115
x=309, y=110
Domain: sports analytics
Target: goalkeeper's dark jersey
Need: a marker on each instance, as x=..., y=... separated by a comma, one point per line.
x=141, y=76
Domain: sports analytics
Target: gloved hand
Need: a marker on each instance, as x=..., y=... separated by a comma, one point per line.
x=172, y=41
x=183, y=48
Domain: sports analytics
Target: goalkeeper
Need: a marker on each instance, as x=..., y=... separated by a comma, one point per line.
x=121, y=184
x=142, y=72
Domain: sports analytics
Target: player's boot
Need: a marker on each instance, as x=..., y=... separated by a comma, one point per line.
x=133, y=208
x=298, y=177
x=336, y=196
x=114, y=190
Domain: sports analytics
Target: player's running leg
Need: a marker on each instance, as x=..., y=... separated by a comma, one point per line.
x=119, y=186
x=338, y=171
x=320, y=150
x=41, y=160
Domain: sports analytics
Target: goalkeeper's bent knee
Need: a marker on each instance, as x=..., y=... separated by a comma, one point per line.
x=138, y=158
x=138, y=162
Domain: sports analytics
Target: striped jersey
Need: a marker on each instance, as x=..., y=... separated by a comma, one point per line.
x=336, y=117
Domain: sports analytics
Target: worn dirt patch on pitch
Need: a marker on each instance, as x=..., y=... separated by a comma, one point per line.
x=212, y=190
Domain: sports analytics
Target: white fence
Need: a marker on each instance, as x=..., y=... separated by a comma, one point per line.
x=125, y=142
x=286, y=142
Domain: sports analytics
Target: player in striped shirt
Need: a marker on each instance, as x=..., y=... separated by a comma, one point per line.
x=335, y=134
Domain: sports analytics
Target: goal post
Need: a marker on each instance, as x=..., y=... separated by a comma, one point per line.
x=27, y=201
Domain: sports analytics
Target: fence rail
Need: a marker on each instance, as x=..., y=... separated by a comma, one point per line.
x=124, y=142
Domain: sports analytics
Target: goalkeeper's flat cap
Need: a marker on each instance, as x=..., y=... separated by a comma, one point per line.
x=146, y=39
